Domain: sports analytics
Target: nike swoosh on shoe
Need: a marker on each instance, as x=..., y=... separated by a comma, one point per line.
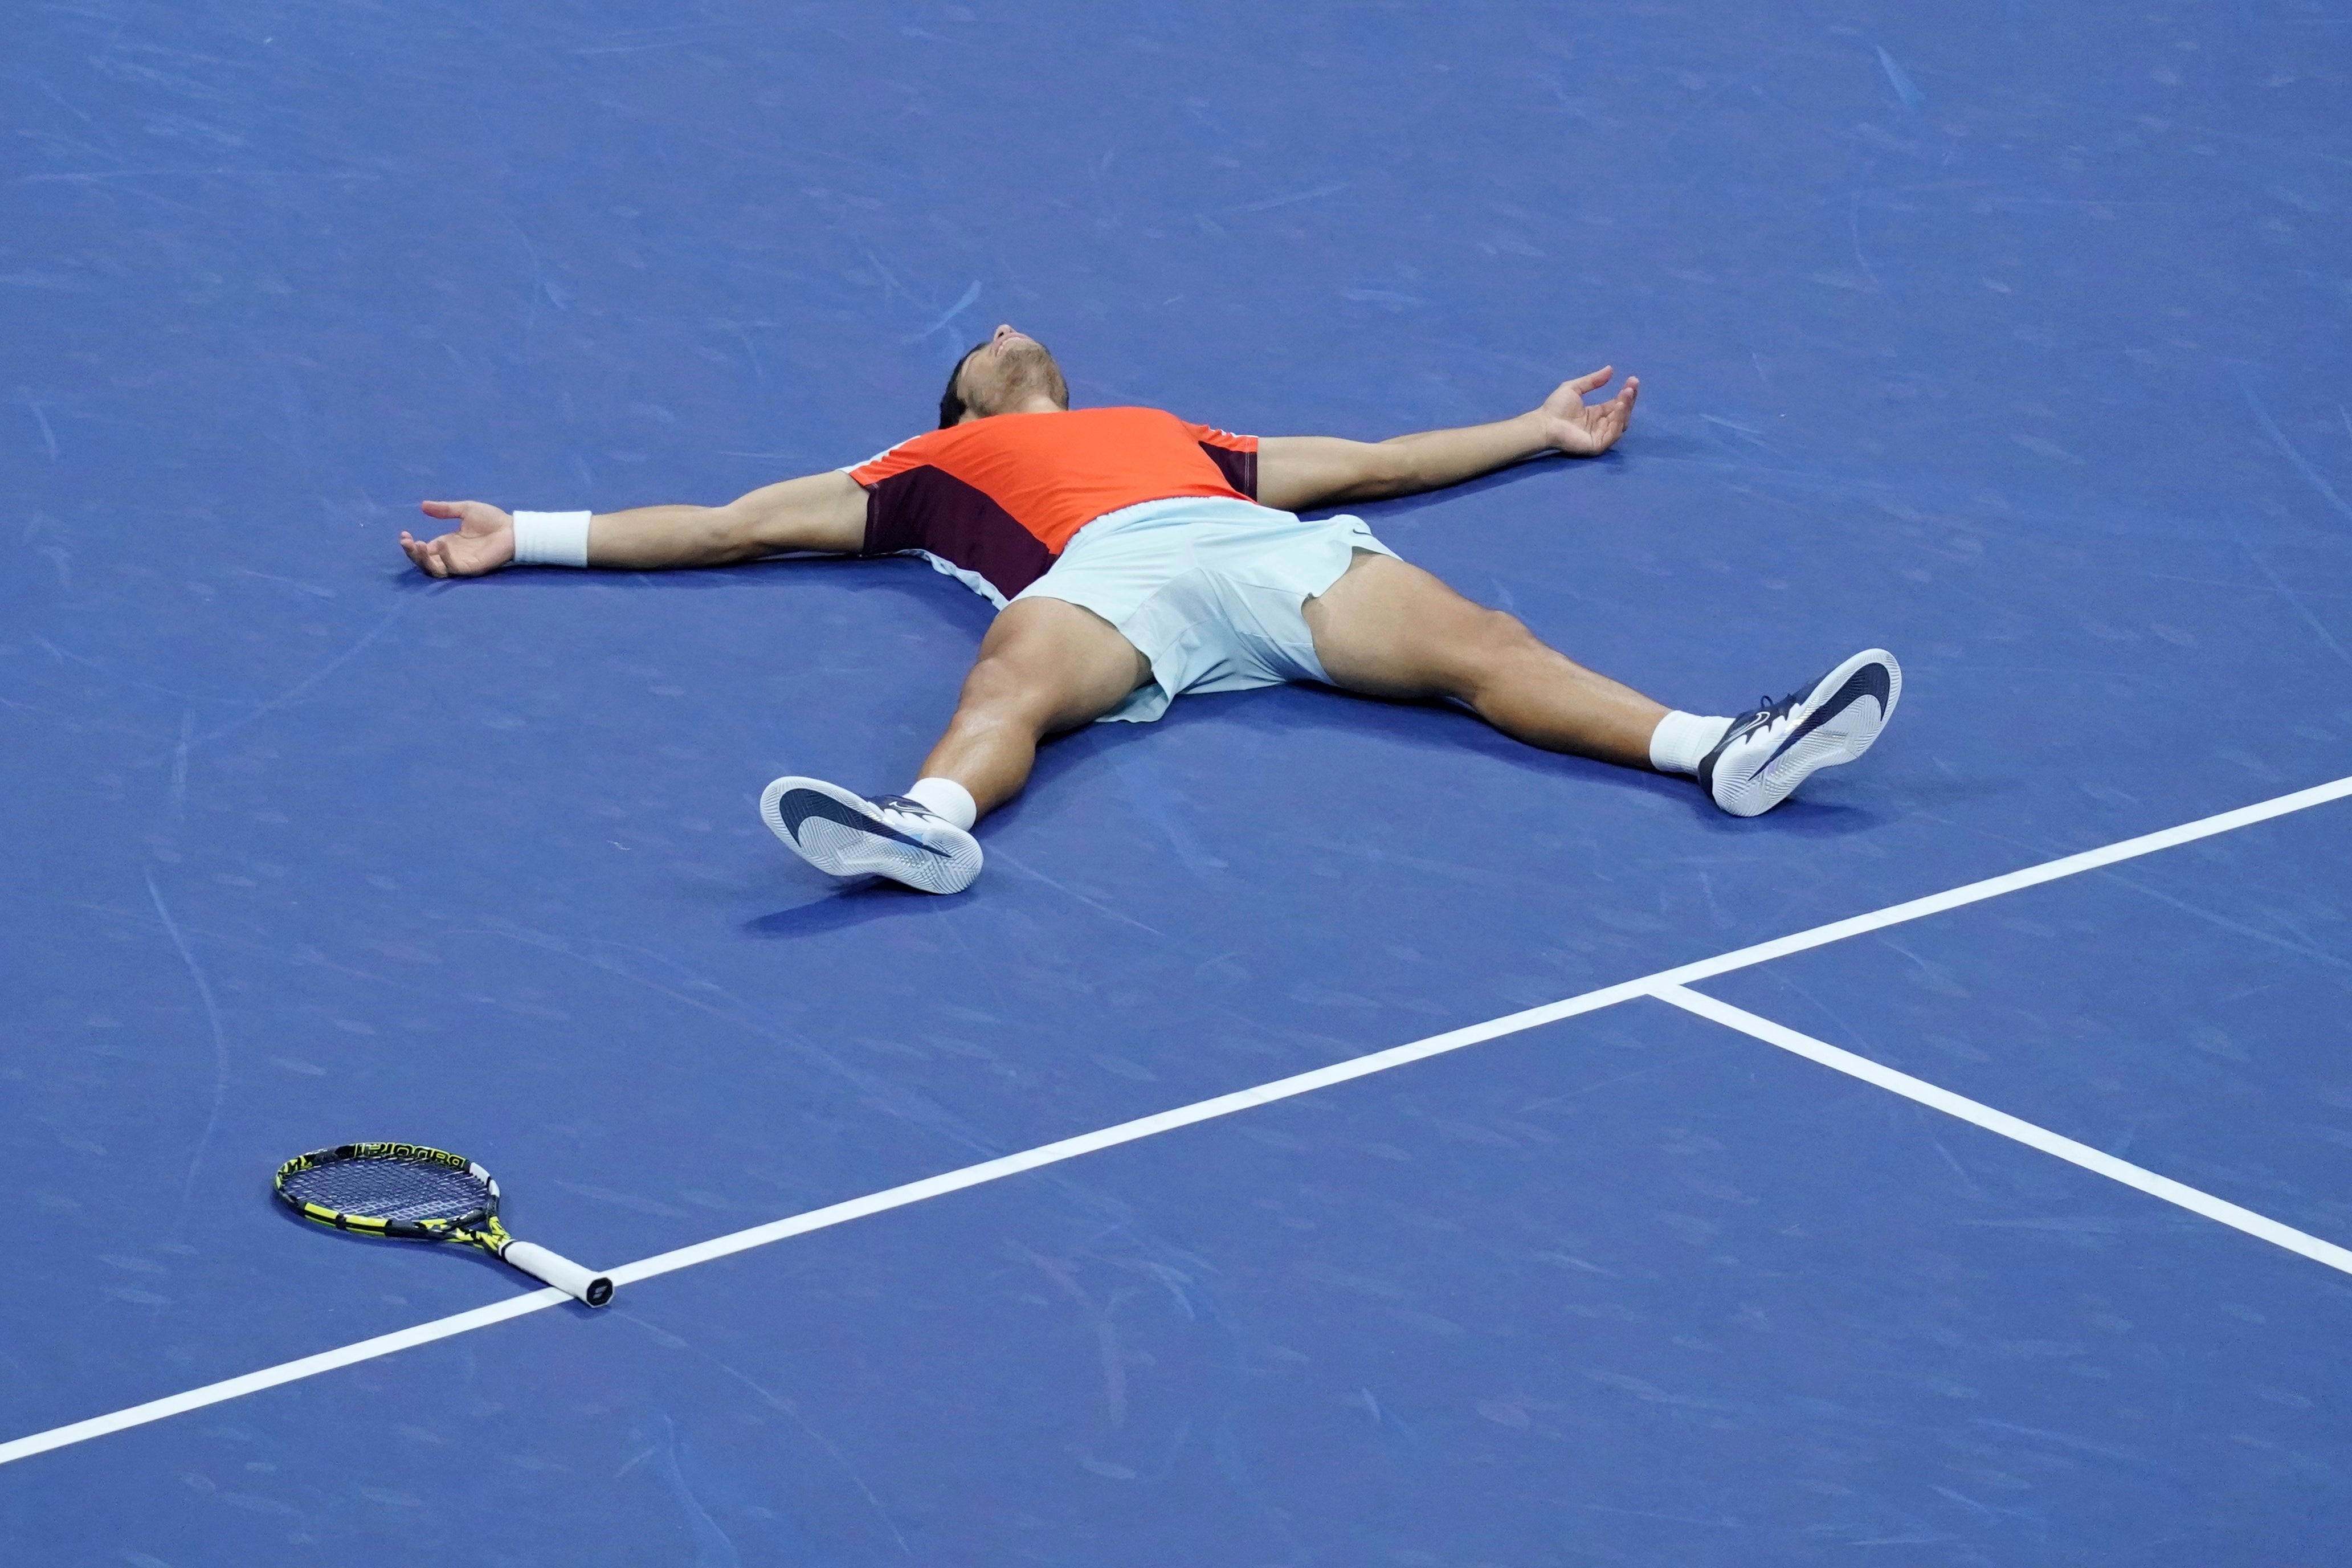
x=1870, y=681
x=799, y=805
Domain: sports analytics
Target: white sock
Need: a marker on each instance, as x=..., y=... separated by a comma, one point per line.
x=949, y=801
x=1682, y=740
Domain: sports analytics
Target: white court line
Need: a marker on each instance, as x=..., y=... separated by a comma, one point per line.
x=1183, y=1116
x=2008, y=1126
x=2031, y=876
x=285, y=1372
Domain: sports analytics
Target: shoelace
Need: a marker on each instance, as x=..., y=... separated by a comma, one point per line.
x=1767, y=712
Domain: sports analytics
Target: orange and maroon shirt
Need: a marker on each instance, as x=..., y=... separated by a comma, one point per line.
x=999, y=499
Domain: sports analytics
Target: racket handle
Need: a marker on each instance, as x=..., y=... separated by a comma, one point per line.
x=558, y=1271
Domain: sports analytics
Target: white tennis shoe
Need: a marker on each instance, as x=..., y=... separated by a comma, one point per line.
x=847, y=835
x=1770, y=751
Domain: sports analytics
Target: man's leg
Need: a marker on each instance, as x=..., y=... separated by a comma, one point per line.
x=1392, y=630
x=1044, y=666
x=1389, y=629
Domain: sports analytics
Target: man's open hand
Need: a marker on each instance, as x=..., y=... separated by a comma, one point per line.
x=482, y=541
x=1584, y=429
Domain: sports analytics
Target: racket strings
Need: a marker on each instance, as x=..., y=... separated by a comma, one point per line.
x=394, y=1190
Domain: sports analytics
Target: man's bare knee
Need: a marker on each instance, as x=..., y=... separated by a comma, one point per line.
x=1502, y=633
x=1495, y=646
x=999, y=693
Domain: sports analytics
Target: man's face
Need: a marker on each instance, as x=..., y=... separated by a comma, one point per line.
x=1010, y=369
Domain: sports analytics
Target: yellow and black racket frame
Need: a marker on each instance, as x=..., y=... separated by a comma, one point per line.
x=480, y=1227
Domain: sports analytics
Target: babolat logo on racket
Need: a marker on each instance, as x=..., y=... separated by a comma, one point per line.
x=403, y=1152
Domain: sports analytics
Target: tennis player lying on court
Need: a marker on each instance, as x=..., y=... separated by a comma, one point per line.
x=1136, y=558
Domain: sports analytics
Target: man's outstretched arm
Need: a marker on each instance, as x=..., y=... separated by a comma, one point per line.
x=825, y=513
x=1297, y=472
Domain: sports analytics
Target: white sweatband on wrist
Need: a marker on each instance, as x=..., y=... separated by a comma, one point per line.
x=552, y=538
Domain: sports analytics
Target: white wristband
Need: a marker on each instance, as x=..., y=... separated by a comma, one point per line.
x=552, y=538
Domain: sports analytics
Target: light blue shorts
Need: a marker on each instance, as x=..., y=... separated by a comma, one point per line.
x=1209, y=590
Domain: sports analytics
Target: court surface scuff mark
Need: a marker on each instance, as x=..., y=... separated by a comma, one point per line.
x=1898, y=77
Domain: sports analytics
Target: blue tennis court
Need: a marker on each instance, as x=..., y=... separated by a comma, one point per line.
x=1330, y=1132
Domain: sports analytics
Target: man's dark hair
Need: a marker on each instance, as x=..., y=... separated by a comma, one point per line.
x=951, y=403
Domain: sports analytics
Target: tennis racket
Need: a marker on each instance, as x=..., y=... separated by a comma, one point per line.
x=411, y=1193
